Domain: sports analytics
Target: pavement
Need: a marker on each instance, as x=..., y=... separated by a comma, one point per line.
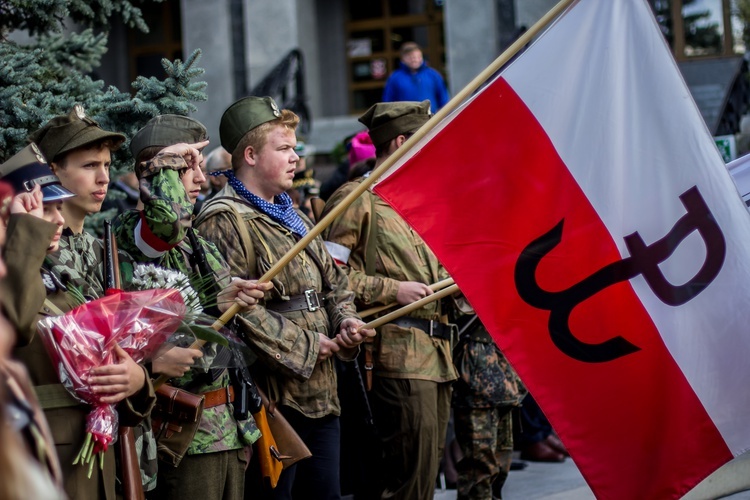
x=563, y=481
x=550, y=481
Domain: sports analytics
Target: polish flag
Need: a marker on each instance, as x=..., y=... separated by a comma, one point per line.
x=581, y=205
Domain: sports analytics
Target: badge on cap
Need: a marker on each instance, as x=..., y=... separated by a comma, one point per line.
x=275, y=109
x=80, y=113
x=37, y=153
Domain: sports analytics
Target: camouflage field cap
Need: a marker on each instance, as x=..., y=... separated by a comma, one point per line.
x=67, y=132
x=27, y=168
x=243, y=116
x=166, y=130
x=388, y=120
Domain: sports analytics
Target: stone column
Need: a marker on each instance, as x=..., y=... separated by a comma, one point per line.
x=471, y=40
x=206, y=26
x=272, y=31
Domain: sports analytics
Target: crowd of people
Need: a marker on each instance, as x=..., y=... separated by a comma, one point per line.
x=224, y=220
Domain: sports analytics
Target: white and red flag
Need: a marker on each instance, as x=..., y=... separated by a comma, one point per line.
x=581, y=205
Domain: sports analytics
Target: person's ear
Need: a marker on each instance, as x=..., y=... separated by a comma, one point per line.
x=400, y=140
x=53, y=167
x=249, y=155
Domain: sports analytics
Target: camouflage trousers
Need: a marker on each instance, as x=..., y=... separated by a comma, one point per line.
x=485, y=436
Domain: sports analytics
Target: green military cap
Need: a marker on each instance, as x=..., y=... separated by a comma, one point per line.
x=67, y=132
x=388, y=120
x=166, y=130
x=27, y=168
x=243, y=116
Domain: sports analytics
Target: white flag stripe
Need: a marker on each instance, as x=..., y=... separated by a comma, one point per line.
x=633, y=178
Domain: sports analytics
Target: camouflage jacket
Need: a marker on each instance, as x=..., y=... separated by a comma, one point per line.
x=76, y=265
x=286, y=343
x=486, y=379
x=400, y=255
x=157, y=234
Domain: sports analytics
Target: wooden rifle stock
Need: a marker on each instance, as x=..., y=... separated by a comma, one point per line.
x=129, y=463
x=132, y=487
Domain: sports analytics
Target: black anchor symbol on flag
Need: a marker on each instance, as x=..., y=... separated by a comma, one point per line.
x=644, y=259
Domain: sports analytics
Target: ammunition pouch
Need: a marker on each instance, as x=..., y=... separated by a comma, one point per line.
x=175, y=419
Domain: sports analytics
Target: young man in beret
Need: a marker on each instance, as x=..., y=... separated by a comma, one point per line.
x=168, y=155
x=79, y=154
x=252, y=222
x=387, y=262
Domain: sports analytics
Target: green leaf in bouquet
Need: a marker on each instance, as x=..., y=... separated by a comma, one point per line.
x=205, y=333
x=76, y=295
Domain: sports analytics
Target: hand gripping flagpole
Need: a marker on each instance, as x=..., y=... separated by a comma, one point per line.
x=434, y=287
x=466, y=92
x=410, y=307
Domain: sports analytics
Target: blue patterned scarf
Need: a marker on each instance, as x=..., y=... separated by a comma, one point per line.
x=281, y=210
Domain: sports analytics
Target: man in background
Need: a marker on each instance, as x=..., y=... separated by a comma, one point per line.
x=414, y=80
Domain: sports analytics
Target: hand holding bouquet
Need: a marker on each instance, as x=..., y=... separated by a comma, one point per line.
x=92, y=345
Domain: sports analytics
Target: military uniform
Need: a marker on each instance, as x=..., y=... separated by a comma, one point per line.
x=288, y=341
x=166, y=216
x=413, y=369
x=483, y=396
x=284, y=329
x=77, y=264
x=215, y=460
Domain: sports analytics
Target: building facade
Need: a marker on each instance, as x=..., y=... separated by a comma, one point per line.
x=332, y=57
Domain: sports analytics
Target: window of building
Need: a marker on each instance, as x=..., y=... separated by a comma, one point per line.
x=375, y=31
x=703, y=28
x=164, y=39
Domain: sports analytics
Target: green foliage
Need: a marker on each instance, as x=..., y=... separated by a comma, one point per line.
x=45, y=16
x=742, y=11
x=48, y=76
x=38, y=82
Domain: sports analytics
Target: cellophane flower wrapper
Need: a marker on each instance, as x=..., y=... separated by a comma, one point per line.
x=84, y=338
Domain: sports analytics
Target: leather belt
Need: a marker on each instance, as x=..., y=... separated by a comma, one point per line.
x=218, y=397
x=309, y=299
x=430, y=327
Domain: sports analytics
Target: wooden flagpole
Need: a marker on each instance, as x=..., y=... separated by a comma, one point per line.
x=374, y=310
x=410, y=307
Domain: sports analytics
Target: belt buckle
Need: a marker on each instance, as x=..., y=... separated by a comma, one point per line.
x=229, y=394
x=432, y=327
x=311, y=297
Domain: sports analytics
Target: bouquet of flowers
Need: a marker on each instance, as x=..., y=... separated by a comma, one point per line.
x=84, y=338
x=149, y=276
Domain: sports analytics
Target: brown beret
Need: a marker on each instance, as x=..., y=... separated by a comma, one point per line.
x=388, y=120
x=166, y=130
x=68, y=132
x=243, y=116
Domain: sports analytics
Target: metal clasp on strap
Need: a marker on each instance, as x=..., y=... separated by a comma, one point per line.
x=311, y=297
x=432, y=327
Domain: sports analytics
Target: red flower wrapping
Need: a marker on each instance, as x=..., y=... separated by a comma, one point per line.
x=84, y=338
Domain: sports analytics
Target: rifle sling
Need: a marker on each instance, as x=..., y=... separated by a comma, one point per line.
x=370, y=256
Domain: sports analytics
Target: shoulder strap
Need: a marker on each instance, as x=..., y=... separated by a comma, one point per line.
x=52, y=307
x=370, y=251
x=222, y=205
